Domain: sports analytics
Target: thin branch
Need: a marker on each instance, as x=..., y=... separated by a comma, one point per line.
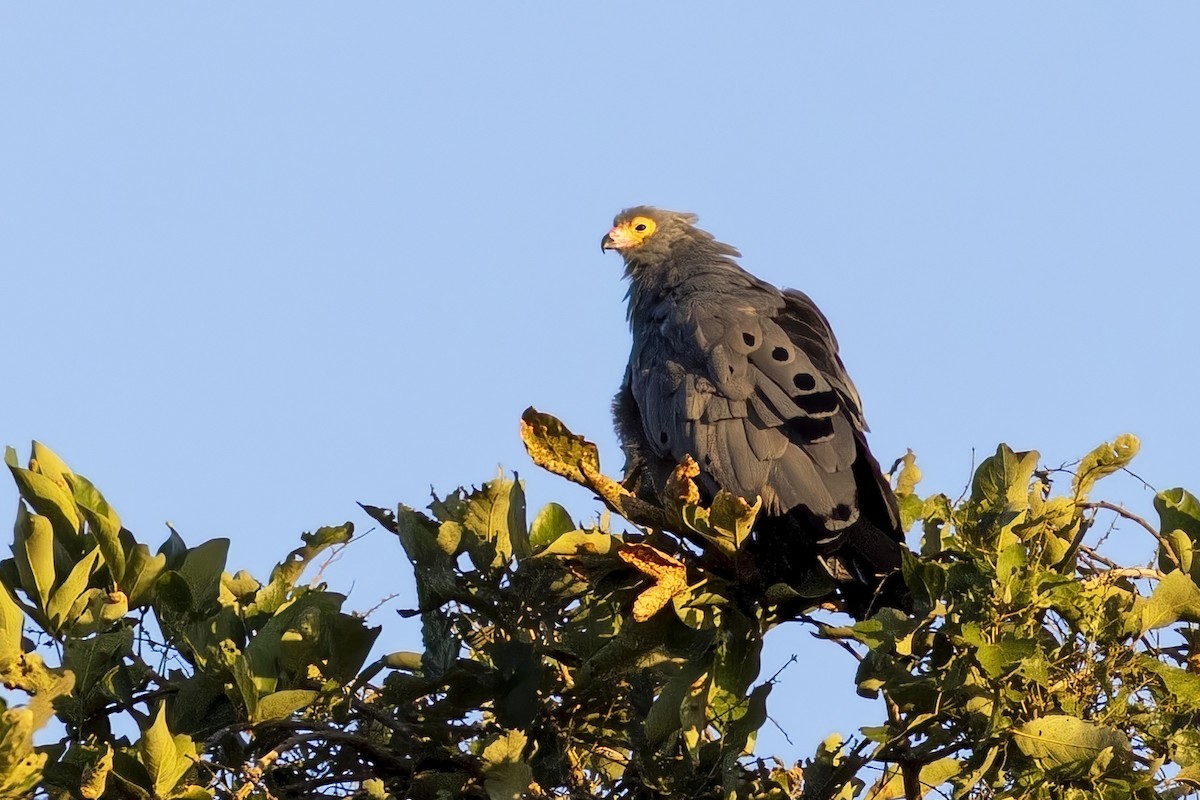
x=383, y=719
x=1091, y=554
x=365, y=614
x=824, y=626
x=368, y=749
x=1129, y=515
x=1128, y=572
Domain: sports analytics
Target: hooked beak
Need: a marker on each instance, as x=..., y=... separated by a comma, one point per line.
x=619, y=238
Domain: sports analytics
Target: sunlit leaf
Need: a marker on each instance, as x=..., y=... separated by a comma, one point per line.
x=1002, y=481
x=288, y=571
x=669, y=575
x=1059, y=740
x=64, y=596
x=551, y=522
x=581, y=543
x=1176, y=597
x=496, y=515
x=506, y=773
x=94, y=779
x=554, y=448
x=103, y=522
x=20, y=765
x=1104, y=460
x=12, y=621
x=160, y=755
x=282, y=704
x=33, y=550
x=50, y=499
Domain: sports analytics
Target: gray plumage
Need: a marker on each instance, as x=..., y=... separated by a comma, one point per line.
x=747, y=380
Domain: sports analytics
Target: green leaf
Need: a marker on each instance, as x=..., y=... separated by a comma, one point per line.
x=911, y=509
x=1002, y=480
x=909, y=476
x=551, y=522
x=92, y=659
x=506, y=773
x=12, y=622
x=496, y=515
x=1062, y=741
x=740, y=735
x=173, y=549
x=33, y=550
x=75, y=584
x=931, y=776
x=999, y=658
x=1184, y=686
x=281, y=705
x=1176, y=597
x=662, y=720
x=246, y=682
x=581, y=543
x=734, y=516
x=345, y=646
x=1104, y=460
x=10, y=456
x=1184, y=747
x=1178, y=509
x=142, y=571
x=939, y=772
x=44, y=460
x=554, y=448
x=726, y=524
x=201, y=570
x=289, y=570
x=734, y=669
x=1179, y=515
x=45, y=685
x=103, y=522
x=95, y=610
x=20, y=766
x=94, y=778
x=693, y=714
x=50, y=499
x=159, y=753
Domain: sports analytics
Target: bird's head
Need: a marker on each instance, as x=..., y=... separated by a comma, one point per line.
x=647, y=234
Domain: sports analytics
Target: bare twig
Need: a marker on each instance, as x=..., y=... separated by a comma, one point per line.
x=368, y=749
x=1129, y=515
x=1092, y=555
x=1127, y=572
x=378, y=605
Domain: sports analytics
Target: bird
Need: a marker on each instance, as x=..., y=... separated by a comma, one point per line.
x=747, y=380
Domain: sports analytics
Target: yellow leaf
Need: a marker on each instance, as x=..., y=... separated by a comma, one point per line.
x=669, y=574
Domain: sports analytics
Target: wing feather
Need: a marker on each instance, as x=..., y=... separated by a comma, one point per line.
x=752, y=387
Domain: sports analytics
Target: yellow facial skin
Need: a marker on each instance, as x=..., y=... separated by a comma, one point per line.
x=629, y=234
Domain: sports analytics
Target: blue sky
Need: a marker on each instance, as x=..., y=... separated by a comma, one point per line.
x=262, y=261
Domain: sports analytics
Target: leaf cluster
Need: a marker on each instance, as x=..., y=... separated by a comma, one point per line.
x=568, y=659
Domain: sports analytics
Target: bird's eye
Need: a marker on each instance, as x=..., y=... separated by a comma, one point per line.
x=642, y=226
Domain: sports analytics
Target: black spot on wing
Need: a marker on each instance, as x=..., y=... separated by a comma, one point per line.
x=808, y=430
x=804, y=382
x=820, y=404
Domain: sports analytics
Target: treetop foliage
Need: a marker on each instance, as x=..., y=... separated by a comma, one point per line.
x=568, y=659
